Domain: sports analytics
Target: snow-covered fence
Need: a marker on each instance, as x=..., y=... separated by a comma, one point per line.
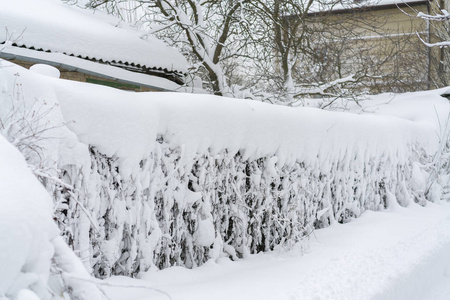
x=156, y=180
x=170, y=213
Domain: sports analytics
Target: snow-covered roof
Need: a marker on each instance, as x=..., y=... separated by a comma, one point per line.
x=351, y=5
x=52, y=26
x=77, y=64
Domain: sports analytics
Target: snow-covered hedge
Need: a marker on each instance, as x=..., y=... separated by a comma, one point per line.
x=170, y=214
x=155, y=180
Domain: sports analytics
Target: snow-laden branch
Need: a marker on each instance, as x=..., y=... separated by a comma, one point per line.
x=321, y=88
x=6, y=44
x=10, y=38
x=444, y=16
x=71, y=269
x=207, y=27
x=442, y=44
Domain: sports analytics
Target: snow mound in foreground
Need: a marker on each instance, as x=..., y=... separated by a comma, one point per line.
x=26, y=229
x=35, y=261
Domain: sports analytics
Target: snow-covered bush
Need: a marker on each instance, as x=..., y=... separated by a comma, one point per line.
x=170, y=213
x=35, y=261
x=156, y=180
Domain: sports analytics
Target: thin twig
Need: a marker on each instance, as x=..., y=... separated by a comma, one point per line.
x=103, y=283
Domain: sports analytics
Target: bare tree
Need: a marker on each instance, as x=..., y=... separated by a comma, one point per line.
x=299, y=49
x=276, y=40
x=289, y=49
x=357, y=50
x=207, y=28
x=437, y=19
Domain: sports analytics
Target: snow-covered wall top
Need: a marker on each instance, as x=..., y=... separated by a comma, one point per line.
x=56, y=27
x=127, y=125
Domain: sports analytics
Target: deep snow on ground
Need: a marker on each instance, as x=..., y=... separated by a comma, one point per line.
x=401, y=253
x=26, y=228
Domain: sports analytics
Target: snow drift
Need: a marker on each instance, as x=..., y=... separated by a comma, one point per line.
x=26, y=228
x=160, y=179
x=36, y=262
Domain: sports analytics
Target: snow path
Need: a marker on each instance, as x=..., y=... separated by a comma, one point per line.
x=396, y=254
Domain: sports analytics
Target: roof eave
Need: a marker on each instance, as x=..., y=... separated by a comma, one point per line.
x=68, y=67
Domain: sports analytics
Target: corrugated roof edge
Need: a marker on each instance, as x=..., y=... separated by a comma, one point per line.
x=172, y=75
x=163, y=83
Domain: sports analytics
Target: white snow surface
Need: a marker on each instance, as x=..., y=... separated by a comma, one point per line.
x=29, y=238
x=258, y=129
x=26, y=229
x=402, y=254
x=46, y=70
x=54, y=26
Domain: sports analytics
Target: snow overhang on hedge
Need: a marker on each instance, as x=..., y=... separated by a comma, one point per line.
x=50, y=26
